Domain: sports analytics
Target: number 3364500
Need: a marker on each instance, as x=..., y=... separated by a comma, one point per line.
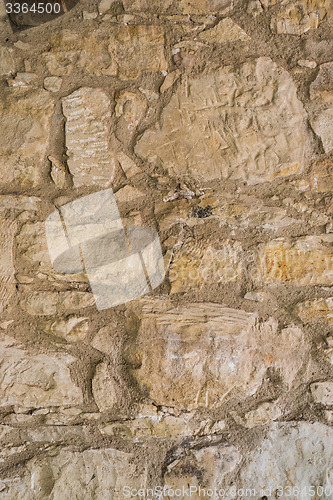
x=39, y=8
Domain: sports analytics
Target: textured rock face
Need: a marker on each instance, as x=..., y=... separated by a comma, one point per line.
x=88, y=113
x=211, y=121
x=241, y=128
x=203, y=354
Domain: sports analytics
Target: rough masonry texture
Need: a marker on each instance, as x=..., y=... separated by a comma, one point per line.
x=212, y=121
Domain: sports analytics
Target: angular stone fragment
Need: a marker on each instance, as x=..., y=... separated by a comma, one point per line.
x=137, y=49
x=321, y=176
x=88, y=123
x=52, y=83
x=294, y=454
x=298, y=17
x=266, y=412
x=72, y=328
x=305, y=261
x=35, y=380
x=103, y=388
x=315, y=310
x=130, y=109
x=322, y=124
x=7, y=64
x=203, y=354
x=246, y=124
x=49, y=303
x=24, y=137
x=150, y=5
x=225, y=31
x=96, y=474
x=7, y=270
x=322, y=87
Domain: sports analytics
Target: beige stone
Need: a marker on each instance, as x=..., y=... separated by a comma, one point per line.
x=130, y=109
x=36, y=380
x=200, y=355
x=52, y=83
x=322, y=392
x=213, y=462
x=192, y=138
x=7, y=64
x=8, y=229
x=315, y=310
x=205, y=6
x=304, y=261
x=24, y=137
x=45, y=303
x=266, y=412
x=225, y=31
x=103, y=387
x=88, y=122
x=128, y=194
x=322, y=124
x=193, y=266
x=322, y=87
x=22, y=80
x=150, y=5
x=58, y=173
x=137, y=49
x=300, y=16
x=294, y=454
x=97, y=474
x=321, y=176
x=72, y=329
x=169, y=80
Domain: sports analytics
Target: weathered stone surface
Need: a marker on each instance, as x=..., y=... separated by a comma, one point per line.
x=36, y=380
x=143, y=5
x=72, y=329
x=204, y=354
x=49, y=303
x=315, y=310
x=322, y=87
x=7, y=64
x=88, y=122
x=305, y=261
x=293, y=454
x=266, y=412
x=130, y=109
x=298, y=17
x=194, y=266
x=103, y=387
x=321, y=176
x=137, y=49
x=225, y=31
x=205, y=6
x=193, y=138
x=322, y=392
x=206, y=467
x=97, y=474
x=322, y=124
x=52, y=83
x=8, y=229
x=24, y=137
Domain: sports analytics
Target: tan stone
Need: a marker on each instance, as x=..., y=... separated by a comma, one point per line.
x=322, y=124
x=205, y=6
x=200, y=355
x=322, y=392
x=7, y=64
x=45, y=303
x=128, y=194
x=150, y=5
x=315, y=310
x=8, y=229
x=294, y=454
x=72, y=329
x=305, y=261
x=213, y=462
x=58, y=173
x=103, y=387
x=266, y=412
x=193, y=267
x=36, y=380
x=52, y=83
x=97, y=474
x=88, y=121
x=22, y=80
x=24, y=137
x=300, y=16
x=225, y=31
x=137, y=49
x=321, y=176
x=322, y=87
x=130, y=109
x=169, y=80
x=192, y=138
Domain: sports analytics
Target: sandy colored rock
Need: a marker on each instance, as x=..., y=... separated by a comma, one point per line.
x=36, y=380
x=24, y=137
x=322, y=124
x=321, y=176
x=98, y=474
x=315, y=310
x=322, y=87
x=193, y=139
x=266, y=412
x=52, y=83
x=144, y=5
x=130, y=109
x=304, y=261
x=203, y=354
x=103, y=387
x=205, y=6
x=300, y=16
x=322, y=392
x=72, y=329
x=88, y=124
x=225, y=31
x=296, y=454
x=7, y=64
x=137, y=49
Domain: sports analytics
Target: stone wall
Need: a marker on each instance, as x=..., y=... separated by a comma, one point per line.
x=212, y=121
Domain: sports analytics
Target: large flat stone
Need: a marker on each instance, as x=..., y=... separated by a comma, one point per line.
x=201, y=355
x=245, y=124
x=300, y=16
x=88, y=128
